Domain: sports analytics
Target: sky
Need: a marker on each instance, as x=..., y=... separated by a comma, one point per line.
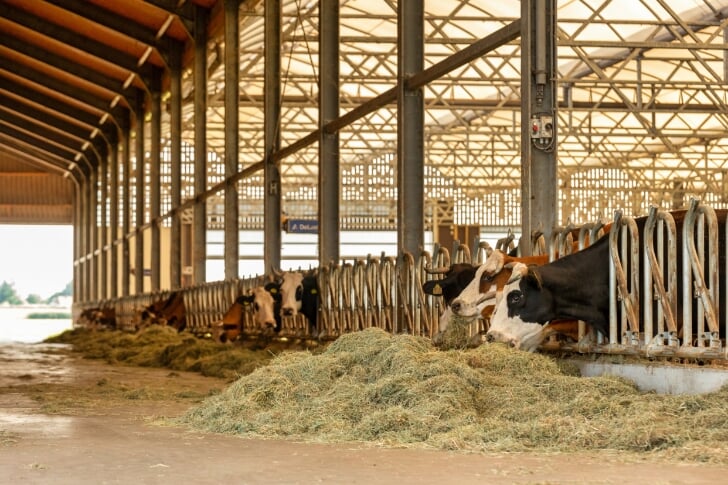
x=36, y=259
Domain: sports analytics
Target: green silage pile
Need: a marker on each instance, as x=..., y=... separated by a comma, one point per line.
x=371, y=386
x=160, y=346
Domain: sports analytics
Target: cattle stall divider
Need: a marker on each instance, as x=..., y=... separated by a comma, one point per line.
x=668, y=286
x=660, y=283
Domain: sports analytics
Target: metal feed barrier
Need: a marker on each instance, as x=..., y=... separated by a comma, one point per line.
x=665, y=295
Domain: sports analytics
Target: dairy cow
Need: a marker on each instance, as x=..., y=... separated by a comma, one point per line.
x=299, y=294
x=168, y=311
x=264, y=304
x=456, y=279
x=571, y=288
x=98, y=318
x=577, y=287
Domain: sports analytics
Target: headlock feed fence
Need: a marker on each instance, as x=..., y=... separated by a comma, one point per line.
x=668, y=285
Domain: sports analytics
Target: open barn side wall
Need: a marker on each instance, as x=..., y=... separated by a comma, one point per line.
x=667, y=290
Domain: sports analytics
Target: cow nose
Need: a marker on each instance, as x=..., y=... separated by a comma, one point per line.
x=512, y=343
x=456, y=306
x=270, y=323
x=489, y=337
x=288, y=311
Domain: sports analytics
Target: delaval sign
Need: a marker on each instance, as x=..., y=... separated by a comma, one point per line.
x=302, y=226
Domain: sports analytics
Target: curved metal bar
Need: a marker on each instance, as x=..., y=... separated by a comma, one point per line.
x=424, y=301
x=654, y=280
x=694, y=274
x=620, y=288
x=506, y=244
x=407, y=293
x=387, y=281
x=462, y=254
x=374, y=293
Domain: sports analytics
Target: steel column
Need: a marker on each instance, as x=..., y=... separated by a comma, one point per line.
x=232, y=80
x=139, y=178
x=154, y=186
x=126, y=210
x=94, y=228
x=539, y=203
x=77, y=251
x=88, y=246
x=114, y=217
x=328, y=176
x=175, y=141
x=199, y=220
x=410, y=128
x=103, y=272
x=272, y=135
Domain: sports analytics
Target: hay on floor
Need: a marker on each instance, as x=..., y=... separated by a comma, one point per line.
x=161, y=346
x=401, y=391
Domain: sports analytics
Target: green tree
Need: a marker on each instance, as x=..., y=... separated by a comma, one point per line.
x=33, y=299
x=9, y=294
x=67, y=291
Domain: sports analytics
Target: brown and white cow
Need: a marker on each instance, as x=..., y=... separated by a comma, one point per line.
x=168, y=311
x=264, y=304
x=480, y=298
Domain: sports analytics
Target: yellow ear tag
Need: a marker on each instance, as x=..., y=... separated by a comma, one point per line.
x=247, y=303
x=437, y=290
x=314, y=291
x=273, y=290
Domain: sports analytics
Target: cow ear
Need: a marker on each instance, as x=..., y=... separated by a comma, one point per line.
x=432, y=288
x=532, y=279
x=245, y=299
x=272, y=288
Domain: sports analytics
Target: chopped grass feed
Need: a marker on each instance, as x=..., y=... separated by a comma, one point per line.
x=160, y=346
x=401, y=391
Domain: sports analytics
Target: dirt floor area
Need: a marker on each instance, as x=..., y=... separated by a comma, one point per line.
x=67, y=420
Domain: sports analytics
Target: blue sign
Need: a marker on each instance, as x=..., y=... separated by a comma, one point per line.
x=302, y=226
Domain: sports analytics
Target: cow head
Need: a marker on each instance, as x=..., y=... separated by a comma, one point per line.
x=291, y=284
x=229, y=328
x=457, y=277
x=507, y=323
x=481, y=290
x=264, y=302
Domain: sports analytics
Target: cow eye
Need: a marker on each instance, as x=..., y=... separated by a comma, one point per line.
x=487, y=277
x=256, y=307
x=299, y=293
x=514, y=297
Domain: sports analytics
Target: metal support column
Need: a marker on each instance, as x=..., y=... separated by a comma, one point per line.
x=93, y=233
x=539, y=204
x=114, y=216
x=272, y=135
x=77, y=218
x=232, y=74
x=126, y=210
x=175, y=141
x=199, y=236
x=410, y=128
x=139, y=170
x=154, y=185
x=328, y=177
x=103, y=272
x=87, y=248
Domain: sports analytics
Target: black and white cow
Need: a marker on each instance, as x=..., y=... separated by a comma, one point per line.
x=299, y=294
x=575, y=287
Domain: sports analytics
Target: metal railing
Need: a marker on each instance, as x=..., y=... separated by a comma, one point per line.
x=665, y=296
